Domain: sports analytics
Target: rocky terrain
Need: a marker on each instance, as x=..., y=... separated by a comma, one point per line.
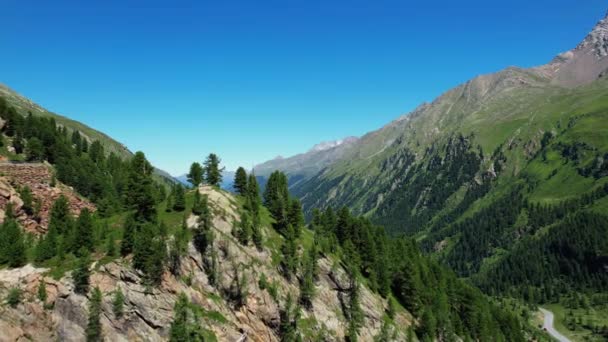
x=38, y=177
x=148, y=312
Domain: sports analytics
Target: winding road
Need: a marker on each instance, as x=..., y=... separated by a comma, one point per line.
x=548, y=326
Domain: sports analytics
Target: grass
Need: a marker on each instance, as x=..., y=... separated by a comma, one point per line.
x=598, y=316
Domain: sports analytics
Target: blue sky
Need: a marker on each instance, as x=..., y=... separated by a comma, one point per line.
x=251, y=80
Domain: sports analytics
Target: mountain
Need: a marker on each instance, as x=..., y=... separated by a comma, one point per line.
x=24, y=106
x=301, y=167
x=91, y=247
x=498, y=165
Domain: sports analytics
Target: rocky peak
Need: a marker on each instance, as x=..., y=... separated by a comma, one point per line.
x=326, y=145
x=583, y=64
x=597, y=40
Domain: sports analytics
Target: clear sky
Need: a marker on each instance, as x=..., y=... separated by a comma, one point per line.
x=251, y=80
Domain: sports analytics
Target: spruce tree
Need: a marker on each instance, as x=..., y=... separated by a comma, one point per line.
x=93, y=331
x=240, y=181
x=213, y=172
x=195, y=176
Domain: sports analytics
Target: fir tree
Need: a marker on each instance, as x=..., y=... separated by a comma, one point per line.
x=240, y=181
x=195, y=176
x=93, y=331
x=213, y=172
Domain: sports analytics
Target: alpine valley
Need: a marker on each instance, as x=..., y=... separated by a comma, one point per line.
x=472, y=218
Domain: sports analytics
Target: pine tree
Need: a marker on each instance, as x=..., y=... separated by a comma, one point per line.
x=213, y=172
x=93, y=331
x=179, y=326
x=128, y=237
x=81, y=273
x=307, y=285
x=289, y=263
x=185, y=326
x=118, y=303
x=42, y=294
x=28, y=200
x=34, y=150
x=195, y=176
x=203, y=235
x=179, y=202
x=428, y=326
x=140, y=189
x=12, y=245
x=84, y=231
x=296, y=216
x=240, y=181
x=197, y=206
x=288, y=327
x=244, y=229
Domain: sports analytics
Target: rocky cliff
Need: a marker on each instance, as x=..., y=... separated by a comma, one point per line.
x=148, y=312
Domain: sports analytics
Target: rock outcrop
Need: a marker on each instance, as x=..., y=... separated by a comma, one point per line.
x=148, y=312
x=38, y=177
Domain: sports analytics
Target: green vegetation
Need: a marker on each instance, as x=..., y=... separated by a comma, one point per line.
x=93, y=330
x=185, y=325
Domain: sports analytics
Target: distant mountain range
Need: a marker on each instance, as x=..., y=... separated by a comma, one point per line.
x=227, y=180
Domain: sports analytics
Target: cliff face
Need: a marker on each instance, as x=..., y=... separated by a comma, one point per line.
x=148, y=312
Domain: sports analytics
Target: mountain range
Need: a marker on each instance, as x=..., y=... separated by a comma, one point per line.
x=499, y=184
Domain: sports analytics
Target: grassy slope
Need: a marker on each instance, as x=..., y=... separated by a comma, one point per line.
x=593, y=315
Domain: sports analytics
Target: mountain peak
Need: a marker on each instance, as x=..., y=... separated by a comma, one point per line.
x=597, y=39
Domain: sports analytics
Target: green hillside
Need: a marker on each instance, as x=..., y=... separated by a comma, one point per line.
x=503, y=178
